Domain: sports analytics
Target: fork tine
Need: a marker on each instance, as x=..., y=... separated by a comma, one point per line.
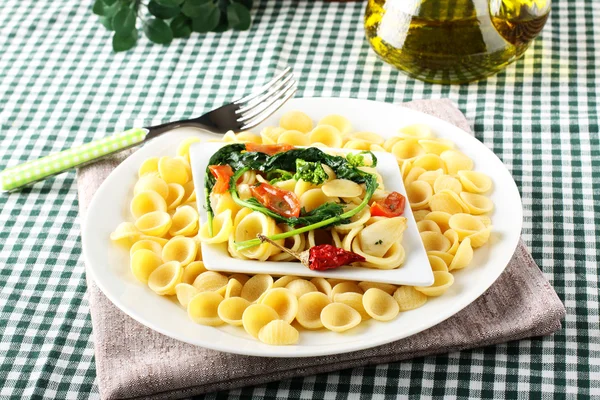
x=266, y=103
x=274, y=107
x=264, y=96
x=264, y=88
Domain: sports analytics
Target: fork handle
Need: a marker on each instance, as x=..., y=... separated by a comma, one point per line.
x=32, y=171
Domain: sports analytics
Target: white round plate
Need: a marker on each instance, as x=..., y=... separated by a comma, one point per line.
x=108, y=264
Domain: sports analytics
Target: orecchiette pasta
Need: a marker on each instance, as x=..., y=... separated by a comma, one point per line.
x=449, y=202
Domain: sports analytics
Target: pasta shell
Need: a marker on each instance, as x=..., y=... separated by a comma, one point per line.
x=232, y=309
x=203, y=309
x=429, y=162
x=440, y=218
x=175, y=196
x=447, y=201
x=442, y=282
x=148, y=245
x=300, y=287
x=183, y=150
x=185, y=293
x=475, y=182
x=419, y=194
x=437, y=264
x=191, y=272
x=310, y=306
x=354, y=300
x=184, y=222
x=463, y=256
x=181, y=249
x=234, y=288
x=143, y=263
x=380, y=305
x=164, y=278
x=126, y=233
x=339, y=317
x=419, y=131
x=456, y=161
x=341, y=188
x=283, y=301
x=146, y=202
x=222, y=229
x=344, y=287
x=322, y=285
x=428, y=225
x=155, y=223
x=386, y=287
x=341, y=123
x=284, y=280
x=278, y=333
x=447, y=182
x=476, y=203
x=434, y=241
x=256, y=316
x=326, y=134
x=294, y=137
x=210, y=281
x=369, y=137
x=256, y=287
x=408, y=298
x=296, y=120
x=465, y=224
x=173, y=170
x=149, y=165
x=151, y=182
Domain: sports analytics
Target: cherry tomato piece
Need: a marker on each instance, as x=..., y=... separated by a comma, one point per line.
x=223, y=174
x=283, y=202
x=391, y=206
x=269, y=149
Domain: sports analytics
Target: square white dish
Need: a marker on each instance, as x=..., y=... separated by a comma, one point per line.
x=415, y=271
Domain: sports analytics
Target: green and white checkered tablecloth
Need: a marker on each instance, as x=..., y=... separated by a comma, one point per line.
x=61, y=85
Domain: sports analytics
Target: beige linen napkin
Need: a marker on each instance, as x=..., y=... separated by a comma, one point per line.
x=133, y=361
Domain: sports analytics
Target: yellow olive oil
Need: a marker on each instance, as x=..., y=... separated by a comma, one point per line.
x=453, y=41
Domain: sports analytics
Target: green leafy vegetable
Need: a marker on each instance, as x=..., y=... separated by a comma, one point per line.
x=277, y=166
x=170, y=18
x=356, y=159
x=312, y=172
x=278, y=175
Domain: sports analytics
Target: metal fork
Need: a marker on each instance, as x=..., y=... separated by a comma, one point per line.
x=239, y=115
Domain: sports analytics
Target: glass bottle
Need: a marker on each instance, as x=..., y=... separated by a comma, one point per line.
x=453, y=41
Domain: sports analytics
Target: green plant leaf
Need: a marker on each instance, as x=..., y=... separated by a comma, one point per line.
x=124, y=21
x=223, y=25
x=181, y=26
x=245, y=3
x=238, y=16
x=107, y=22
x=195, y=8
x=98, y=8
x=207, y=21
x=124, y=42
x=163, y=12
x=109, y=2
x=170, y=3
x=158, y=31
x=109, y=11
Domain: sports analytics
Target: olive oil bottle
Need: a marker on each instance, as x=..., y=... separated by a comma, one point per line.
x=453, y=41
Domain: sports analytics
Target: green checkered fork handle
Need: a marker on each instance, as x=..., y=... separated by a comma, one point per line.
x=242, y=114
